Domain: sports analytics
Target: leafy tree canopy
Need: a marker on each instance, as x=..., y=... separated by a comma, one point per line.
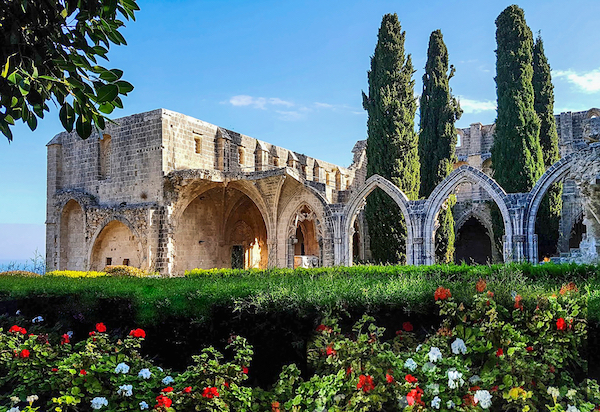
x=49, y=51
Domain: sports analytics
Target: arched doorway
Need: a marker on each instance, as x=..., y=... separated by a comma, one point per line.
x=115, y=245
x=473, y=244
x=221, y=228
x=305, y=239
x=72, y=237
x=577, y=233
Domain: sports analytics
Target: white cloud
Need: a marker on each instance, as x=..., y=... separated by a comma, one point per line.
x=324, y=105
x=258, y=102
x=476, y=106
x=290, y=115
x=588, y=82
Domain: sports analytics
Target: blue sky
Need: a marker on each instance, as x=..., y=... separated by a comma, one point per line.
x=291, y=73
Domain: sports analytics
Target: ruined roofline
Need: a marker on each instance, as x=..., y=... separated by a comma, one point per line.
x=226, y=133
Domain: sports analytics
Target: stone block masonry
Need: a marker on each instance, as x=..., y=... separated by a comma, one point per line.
x=166, y=192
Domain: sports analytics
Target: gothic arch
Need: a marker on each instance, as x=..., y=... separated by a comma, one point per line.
x=554, y=173
x=593, y=112
x=108, y=223
x=358, y=200
x=71, y=239
x=439, y=195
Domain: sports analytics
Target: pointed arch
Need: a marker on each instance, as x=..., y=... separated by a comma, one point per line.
x=357, y=202
x=439, y=195
x=554, y=173
x=72, y=225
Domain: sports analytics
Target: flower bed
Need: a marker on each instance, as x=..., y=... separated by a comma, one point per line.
x=483, y=356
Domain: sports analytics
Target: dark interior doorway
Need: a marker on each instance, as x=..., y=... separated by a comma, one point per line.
x=237, y=257
x=473, y=245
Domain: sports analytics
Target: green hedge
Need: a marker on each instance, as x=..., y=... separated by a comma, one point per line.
x=322, y=289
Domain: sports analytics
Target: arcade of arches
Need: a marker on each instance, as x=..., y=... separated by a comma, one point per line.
x=283, y=222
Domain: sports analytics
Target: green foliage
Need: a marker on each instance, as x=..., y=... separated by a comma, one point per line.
x=49, y=52
x=437, y=138
x=516, y=155
x=548, y=217
x=392, y=142
x=524, y=355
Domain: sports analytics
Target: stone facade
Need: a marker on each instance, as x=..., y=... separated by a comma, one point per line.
x=167, y=192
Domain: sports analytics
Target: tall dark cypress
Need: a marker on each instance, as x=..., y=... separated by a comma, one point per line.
x=516, y=155
x=550, y=209
x=392, y=141
x=437, y=139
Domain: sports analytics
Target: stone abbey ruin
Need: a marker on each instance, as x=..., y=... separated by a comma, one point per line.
x=166, y=192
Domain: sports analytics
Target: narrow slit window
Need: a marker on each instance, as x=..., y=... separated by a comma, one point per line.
x=108, y=261
x=198, y=145
x=125, y=262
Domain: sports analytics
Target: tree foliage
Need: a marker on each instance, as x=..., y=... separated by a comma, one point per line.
x=547, y=223
x=392, y=142
x=516, y=154
x=437, y=138
x=49, y=52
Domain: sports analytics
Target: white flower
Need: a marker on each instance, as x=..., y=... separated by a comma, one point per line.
x=15, y=399
x=18, y=312
x=122, y=368
x=484, y=398
x=410, y=364
x=458, y=346
x=418, y=348
x=450, y=404
x=435, y=403
x=554, y=392
x=571, y=408
x=455, y=379
x=14, y=409
x=98, y=402
x=143, y=405
x=32, y=398
x=145, y=373
x=428, y=367
x=70, y=333
x=125, y=390
x=37, y=319
x=167, y=380
x=571, y=393
x=159, y=368
x=513, y=294
x=434, y=354
x=474, y=379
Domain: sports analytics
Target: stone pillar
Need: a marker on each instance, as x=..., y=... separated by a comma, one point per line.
x=272, y=250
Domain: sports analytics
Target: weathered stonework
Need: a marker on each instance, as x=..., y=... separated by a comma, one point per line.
x=167, y=192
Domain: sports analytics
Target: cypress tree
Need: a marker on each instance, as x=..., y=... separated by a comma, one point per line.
x=437, y=139
x=550, y=209
x=391, y=139
x=516, y=155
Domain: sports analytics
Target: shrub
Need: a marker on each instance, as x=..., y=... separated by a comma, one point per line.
x=76, y=273
x=122, y=270
x=18, y=273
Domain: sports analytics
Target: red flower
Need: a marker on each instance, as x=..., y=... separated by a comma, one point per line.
x=18, y=329
x=54, y=369
x=469, y=400
x=474, y=388
x=480, y=285
x=561, y=324
x=490, y=294
x=323, y=328
x=529, y=348
x=92, y=333
x=348, y=370
x=187, y=390
x=275, y=406
x=210, y=392
x=407, y=326
x=410, y=379
x=518, y=304
x=138, y=333
x=499, y=352
x=389, y=378
x=100, y=327
x=167, y=389
x=226, y=384
x=163, y=401
x=414, y=396
x=24, y=354
x=552, y=369
x=442, y=293
x=244, y=370
x=365, y=382
x=494, y=389
x=65, y=339
x=83, y=372
x=331, y=351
